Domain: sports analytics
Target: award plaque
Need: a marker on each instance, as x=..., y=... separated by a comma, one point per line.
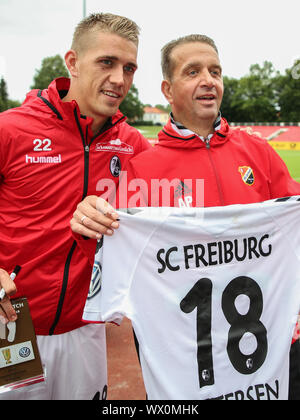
x=20, y=362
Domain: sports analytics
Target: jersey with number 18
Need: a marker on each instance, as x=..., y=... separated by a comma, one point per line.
x=213, y=295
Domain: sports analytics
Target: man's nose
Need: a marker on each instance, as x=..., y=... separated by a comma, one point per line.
x=206, y=79
x=117, y=76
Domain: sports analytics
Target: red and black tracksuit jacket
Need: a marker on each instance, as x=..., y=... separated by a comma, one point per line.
x=49, y=161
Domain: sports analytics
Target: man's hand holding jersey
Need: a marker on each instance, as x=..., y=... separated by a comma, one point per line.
x=94, y=217
x=7, y=312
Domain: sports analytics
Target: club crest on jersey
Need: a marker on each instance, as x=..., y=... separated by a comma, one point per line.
x=95, y=285
x=115, y=166
x=247, y=174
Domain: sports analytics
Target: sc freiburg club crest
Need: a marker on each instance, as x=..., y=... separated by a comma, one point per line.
x=247, y=174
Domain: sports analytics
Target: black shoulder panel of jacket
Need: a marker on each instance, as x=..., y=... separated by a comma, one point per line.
x=52, y=107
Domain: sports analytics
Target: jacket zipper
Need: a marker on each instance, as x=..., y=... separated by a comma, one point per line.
x=63, y=289
x=86, y=148
x=221, y=195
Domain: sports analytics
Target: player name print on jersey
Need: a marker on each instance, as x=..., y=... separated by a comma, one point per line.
x=213, y=295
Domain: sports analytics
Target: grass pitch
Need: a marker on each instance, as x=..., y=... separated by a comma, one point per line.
x=292, y=161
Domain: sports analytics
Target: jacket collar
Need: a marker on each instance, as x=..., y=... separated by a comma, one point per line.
x=180, y=137
x=185, y=132
x=53, y=96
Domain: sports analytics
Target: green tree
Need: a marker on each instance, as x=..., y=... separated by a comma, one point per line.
x=3, y=95
x=5, y=102
x=132, y=107
x=166, y=108
x=52, y=67
x=256, y=97
x=289, y=94
x=228, y=109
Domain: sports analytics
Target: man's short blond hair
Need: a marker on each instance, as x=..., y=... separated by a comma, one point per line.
x=104, y=22
x=166, y=61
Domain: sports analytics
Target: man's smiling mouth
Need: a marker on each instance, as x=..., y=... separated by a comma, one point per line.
x=111, y=94
x=206, y=97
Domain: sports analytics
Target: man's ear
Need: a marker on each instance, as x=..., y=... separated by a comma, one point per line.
x=72, y=62
x=166, y=88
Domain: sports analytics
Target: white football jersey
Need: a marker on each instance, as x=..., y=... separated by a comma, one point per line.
x=213, y=295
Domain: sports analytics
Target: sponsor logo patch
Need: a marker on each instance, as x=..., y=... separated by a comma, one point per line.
x=24, y=352
x=95, y=285
x=43, y=159
x=115, y=146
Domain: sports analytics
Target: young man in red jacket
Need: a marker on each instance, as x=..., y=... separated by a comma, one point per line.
x=199, y=160
x=54, y=150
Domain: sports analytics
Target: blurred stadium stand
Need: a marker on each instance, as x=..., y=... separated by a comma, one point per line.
x=281, y=132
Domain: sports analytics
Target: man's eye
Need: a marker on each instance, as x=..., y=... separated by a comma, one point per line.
x=106, y=62
x=129, y=69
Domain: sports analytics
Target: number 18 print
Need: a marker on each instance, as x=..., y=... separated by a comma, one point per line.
x=200, y=297
x=213, y=295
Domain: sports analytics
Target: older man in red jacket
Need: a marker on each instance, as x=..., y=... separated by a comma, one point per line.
x=199, y=159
